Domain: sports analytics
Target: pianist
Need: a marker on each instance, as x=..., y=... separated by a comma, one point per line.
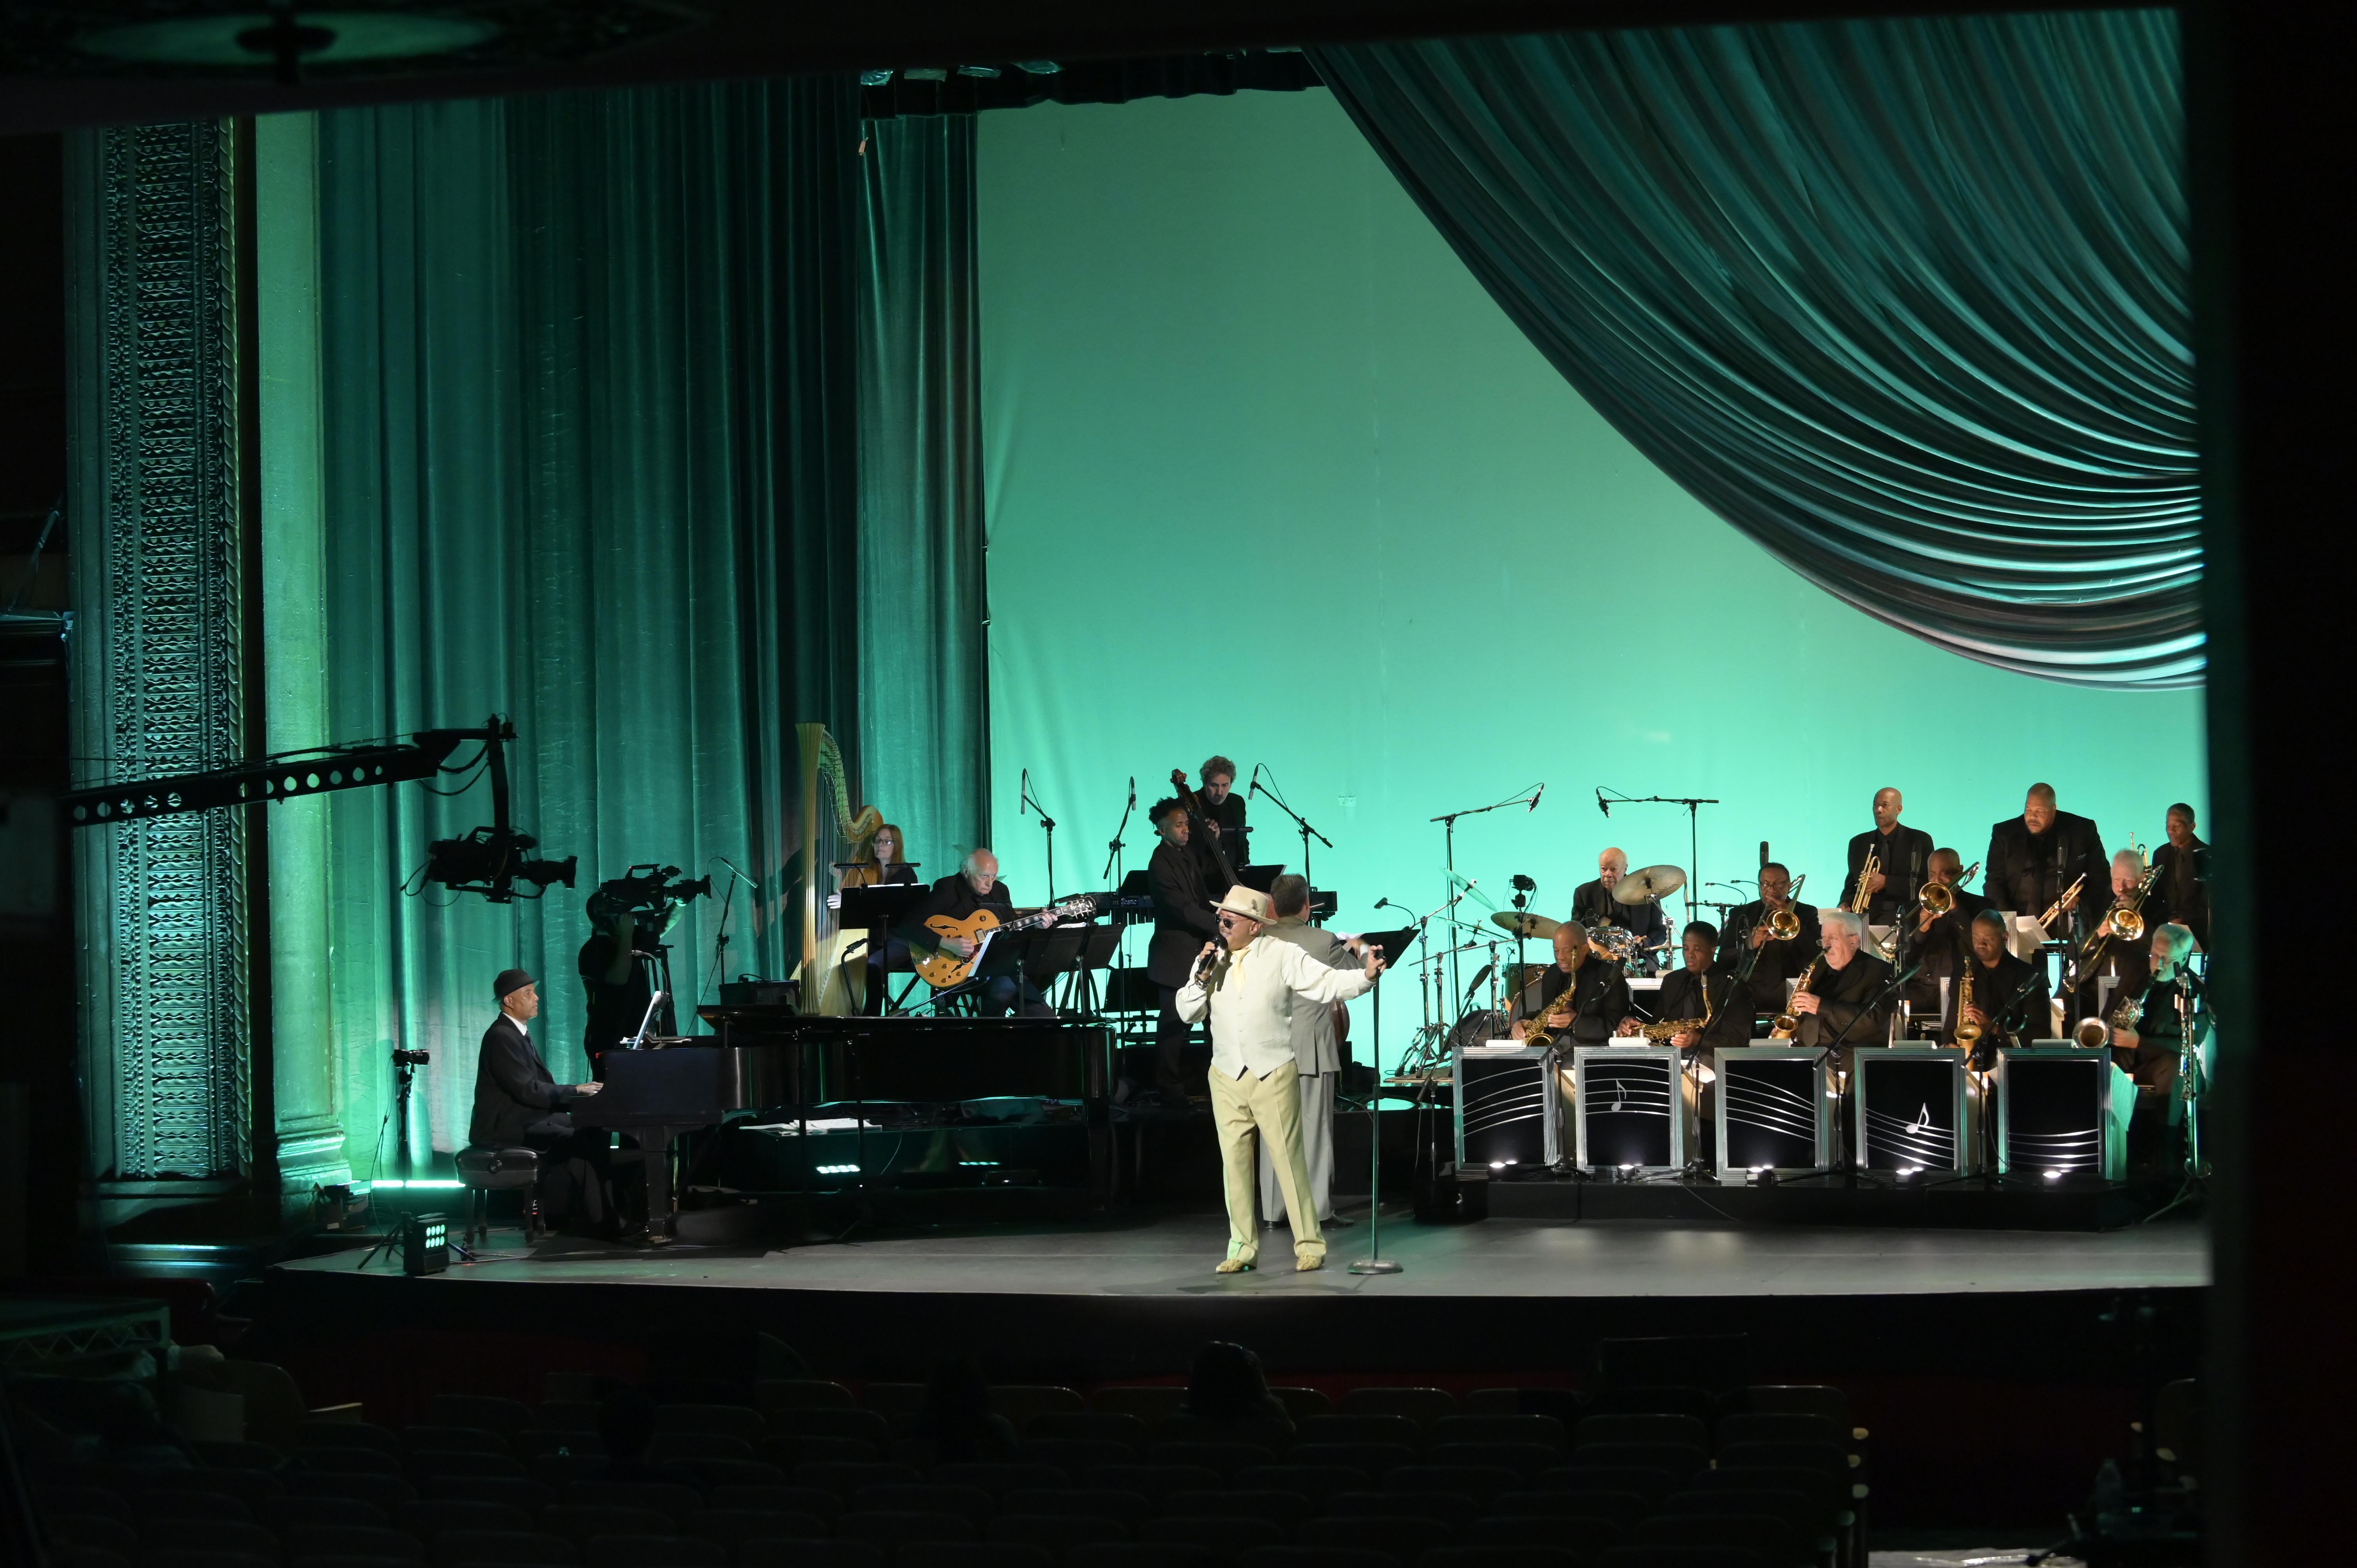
x=519, y=1104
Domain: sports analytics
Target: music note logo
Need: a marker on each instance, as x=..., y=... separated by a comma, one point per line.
x=1922, y=1122
x=1619, y=1094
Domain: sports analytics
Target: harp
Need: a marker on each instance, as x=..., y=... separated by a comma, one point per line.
x=828, y=825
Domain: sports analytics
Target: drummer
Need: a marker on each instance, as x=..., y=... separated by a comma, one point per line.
x=1631, y=905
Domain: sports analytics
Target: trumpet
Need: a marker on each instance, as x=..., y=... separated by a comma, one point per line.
x=2070, y=896
x=1866, y=874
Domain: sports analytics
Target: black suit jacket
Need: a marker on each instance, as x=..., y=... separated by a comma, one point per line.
x=1998, y=990
x=1683, y=996
x=1599, y=1000
x=1183, y=920
x=2163, y=904
x=513, y=1088
x=954, y=896
x=1906, y=865
x=1845, y=993
x=1779, y=961
x=1944, y=948
x=2027, y=879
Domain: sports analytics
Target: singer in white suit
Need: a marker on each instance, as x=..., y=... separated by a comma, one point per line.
x=1251, y=993
x=1316, y=1053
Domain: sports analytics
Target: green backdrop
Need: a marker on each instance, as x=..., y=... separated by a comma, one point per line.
x=1268, y=474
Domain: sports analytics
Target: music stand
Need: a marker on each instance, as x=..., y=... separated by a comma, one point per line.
x=1394, y=944
x=1259, y=877
x=879, y=906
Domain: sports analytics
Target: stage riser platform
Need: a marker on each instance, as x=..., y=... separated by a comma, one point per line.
x=1969, y=1206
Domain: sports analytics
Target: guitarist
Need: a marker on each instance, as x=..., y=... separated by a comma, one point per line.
x=975, y=886
x=1183, y=924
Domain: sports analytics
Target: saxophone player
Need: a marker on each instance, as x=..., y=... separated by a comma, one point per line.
x=2148, y=1034
x=1702, y=989
x=1579, y=999
x=1840, y=1000
x=1751, y=952
x=2008, y=994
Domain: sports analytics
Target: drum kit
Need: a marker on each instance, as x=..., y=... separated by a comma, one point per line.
x=1649, y=885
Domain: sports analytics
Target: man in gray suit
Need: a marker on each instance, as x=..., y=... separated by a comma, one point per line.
x=1317, y=1052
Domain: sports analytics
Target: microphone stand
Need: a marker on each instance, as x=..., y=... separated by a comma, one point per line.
x=1448, y=821
x=1031, y=801
x=1306, y=832
x=1112, y=873
x=1693, y=830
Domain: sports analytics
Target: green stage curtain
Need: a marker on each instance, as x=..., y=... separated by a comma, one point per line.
x=592, y=446
x=924, y=692
x=1906, y=301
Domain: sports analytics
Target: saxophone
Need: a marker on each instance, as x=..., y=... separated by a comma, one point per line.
x=1787, y=1024
x=1669, y=1027
x=1968, y=1033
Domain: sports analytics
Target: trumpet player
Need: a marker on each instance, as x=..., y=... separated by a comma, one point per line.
x=2007, y=1004
x=2181, y=884
x=1762, y=952
x=1579, y=999
x=2037, y=860
x=1903, y=853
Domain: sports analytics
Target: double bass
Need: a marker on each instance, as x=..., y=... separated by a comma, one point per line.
x=1201, y=826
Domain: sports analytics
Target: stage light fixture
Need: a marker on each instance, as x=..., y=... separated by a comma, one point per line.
x=989, y=71
x=874, y=79
x=1038, y=67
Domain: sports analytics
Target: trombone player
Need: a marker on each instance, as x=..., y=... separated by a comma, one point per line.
x=1942, y=926
x=2114, y=961
x=1768, y=941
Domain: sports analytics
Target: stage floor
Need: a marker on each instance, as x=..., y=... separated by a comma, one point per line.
x=1170, y=1256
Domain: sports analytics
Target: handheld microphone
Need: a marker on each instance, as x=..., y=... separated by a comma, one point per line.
x=1601, y=804
x=1534, y=797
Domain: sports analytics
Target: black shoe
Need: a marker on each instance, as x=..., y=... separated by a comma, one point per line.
x=1336, y=1222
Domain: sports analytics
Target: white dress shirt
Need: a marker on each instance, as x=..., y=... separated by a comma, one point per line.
x=1252, y=995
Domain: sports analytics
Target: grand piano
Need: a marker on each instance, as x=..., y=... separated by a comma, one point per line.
x=781, y=1066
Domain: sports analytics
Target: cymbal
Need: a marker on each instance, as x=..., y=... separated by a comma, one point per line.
x=1652, y=882
x=1524, y=924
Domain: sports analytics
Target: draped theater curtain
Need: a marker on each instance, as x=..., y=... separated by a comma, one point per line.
x=924, y=692
x=589, y=412
x=1906, y=301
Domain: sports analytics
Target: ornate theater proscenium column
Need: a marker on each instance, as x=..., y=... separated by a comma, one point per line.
x=158, y=513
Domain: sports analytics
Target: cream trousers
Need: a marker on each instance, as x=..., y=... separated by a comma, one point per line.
x=1317, y=1151
x=1249, y=1113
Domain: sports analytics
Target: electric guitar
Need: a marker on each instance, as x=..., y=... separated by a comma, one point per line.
x=946, y=969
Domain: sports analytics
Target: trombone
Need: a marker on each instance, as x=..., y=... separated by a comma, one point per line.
x=1938, y=898
x=2070, y=896
x=1784, y=924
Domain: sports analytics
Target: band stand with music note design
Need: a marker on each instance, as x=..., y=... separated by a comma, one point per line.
x=1632, y=1118
x=1917, y=1113
x=2062, y=1113
x=1775, y=1114
x=1499, y=1088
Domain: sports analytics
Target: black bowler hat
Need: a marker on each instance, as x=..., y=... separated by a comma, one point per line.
x=509, y=980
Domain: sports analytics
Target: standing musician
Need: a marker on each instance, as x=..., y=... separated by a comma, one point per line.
x=1250, y=991
x=2147, y=1047
x=1580, y=995
x=1904, y=854
x=1317, y=1052
x=1223, y=815
x=1942, y=941
x=619, y=980
x=975, y=887
x=1838, y=1002
x=2009, y=992
x=1777, y=959
x=1183, y=924
x=1592, y=904
x=2181, y=892
x=2034, y=858
x=2124, y=964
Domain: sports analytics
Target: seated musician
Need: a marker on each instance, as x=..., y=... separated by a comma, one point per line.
x=1700, y=990
x=881, y=861
x=2150, y=1047
x=1749, y=950
x=1841, y=999
x=519, y=1105
x=973, y=888
x=1580, y=998
x=1942, y=941
x=1592, y=904
x=2111, y=968
x=2009, y=998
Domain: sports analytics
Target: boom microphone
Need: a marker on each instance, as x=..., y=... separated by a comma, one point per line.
x=1601, y=804
x=1534, y=797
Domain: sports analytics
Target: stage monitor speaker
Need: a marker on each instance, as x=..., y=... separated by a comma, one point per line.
x=1502, y=1121
x=1775, y=1113
x=1632, y=1116
x=1917, y=1109
x=2062, y=1112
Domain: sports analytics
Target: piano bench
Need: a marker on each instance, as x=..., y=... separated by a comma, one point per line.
x=483, y=1170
